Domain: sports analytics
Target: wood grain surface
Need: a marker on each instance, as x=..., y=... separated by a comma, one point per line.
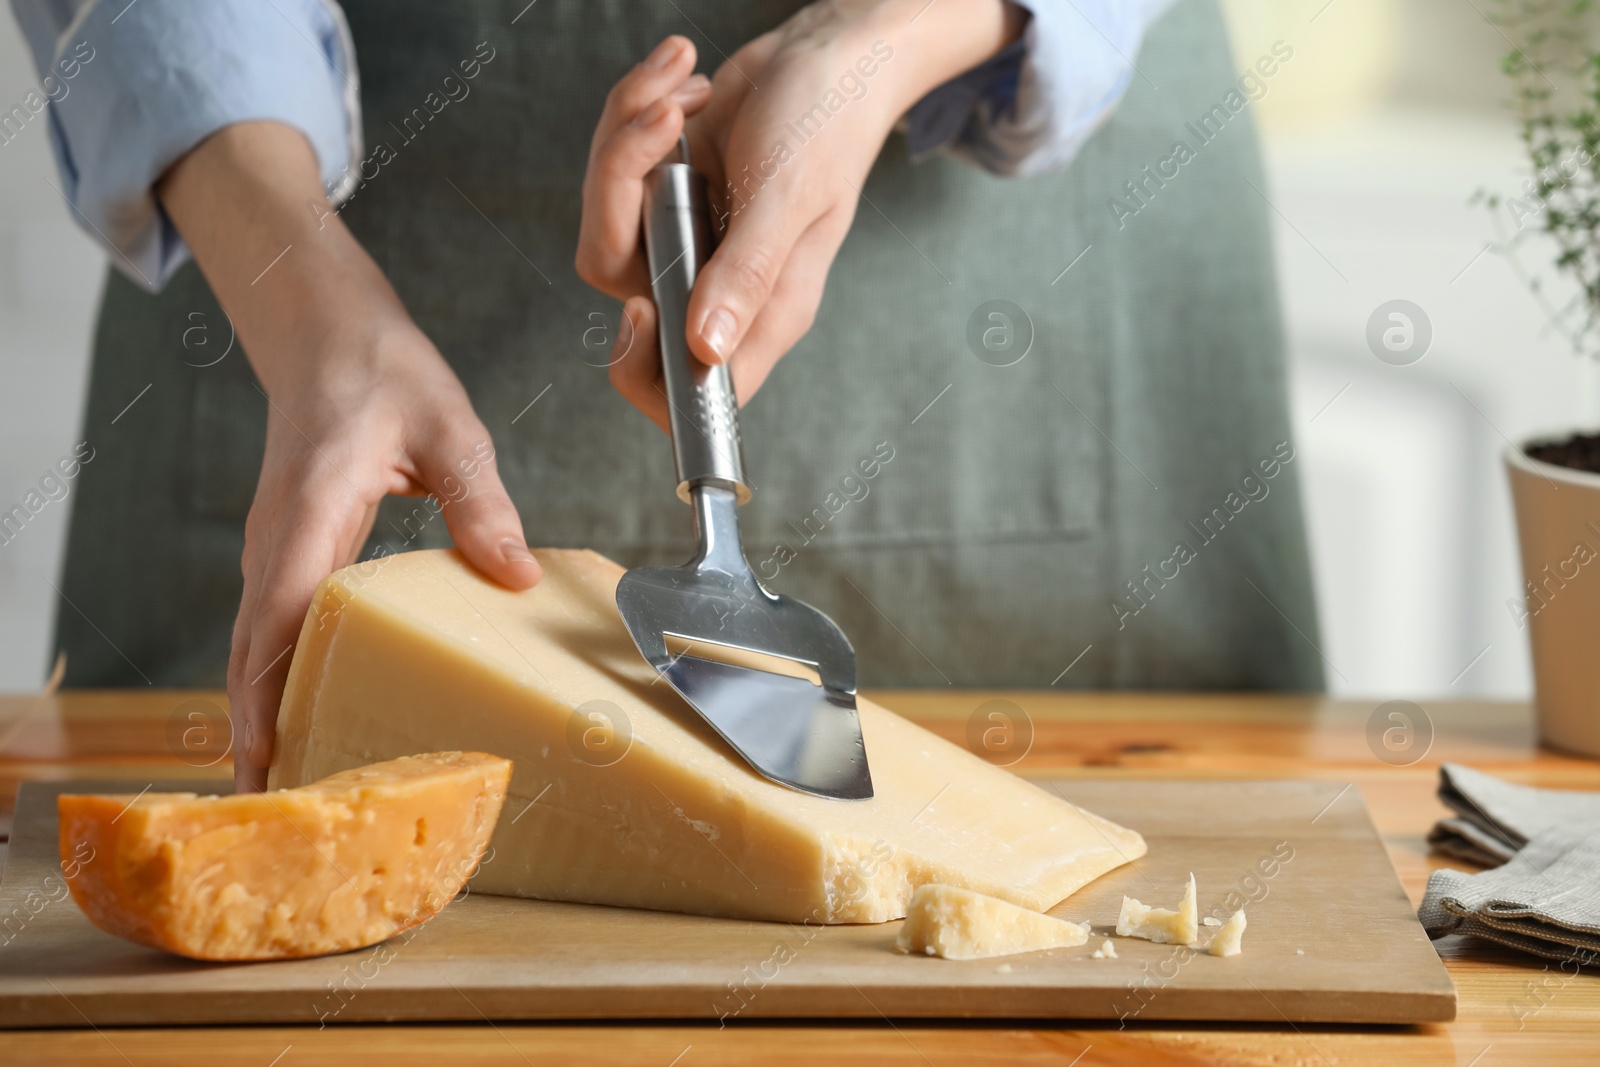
x=1511, y=1010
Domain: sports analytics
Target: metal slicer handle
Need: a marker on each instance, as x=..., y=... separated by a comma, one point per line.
x=703, y=410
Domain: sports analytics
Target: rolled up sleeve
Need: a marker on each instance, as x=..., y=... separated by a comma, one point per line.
x=153, y=78
x=1032, y=107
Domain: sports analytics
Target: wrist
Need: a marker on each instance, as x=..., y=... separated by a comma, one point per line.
x=931, y=43
x=249, y=203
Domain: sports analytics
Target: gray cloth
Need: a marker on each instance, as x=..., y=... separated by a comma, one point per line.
x=1543, y=894
x=1495, y=819
x=1021, y=502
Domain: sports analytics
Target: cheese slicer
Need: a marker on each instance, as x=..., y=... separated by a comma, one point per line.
x=789, y=729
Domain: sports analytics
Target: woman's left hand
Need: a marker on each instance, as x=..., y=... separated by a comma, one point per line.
x=785, y=133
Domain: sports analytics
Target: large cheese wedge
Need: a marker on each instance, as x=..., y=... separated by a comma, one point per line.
x=336, y=865
x=621, y=794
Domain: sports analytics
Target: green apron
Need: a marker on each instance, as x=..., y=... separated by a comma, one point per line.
x=968, y=521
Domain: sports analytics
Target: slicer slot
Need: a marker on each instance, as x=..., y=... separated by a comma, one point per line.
x=739, y=656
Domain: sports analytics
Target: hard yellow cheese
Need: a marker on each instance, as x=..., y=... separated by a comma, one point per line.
x=1162, y=925
x=621, y=794
x=958, y=924
x=1229, y=937
x=335, y=865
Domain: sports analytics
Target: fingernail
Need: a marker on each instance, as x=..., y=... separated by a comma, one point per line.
x=664, y=54
x=515, y=552
x=717, y=333
x=650, y=115
x=693, y=87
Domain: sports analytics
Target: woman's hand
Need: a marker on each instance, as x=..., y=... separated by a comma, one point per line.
x=361, y=404
x=785, y=133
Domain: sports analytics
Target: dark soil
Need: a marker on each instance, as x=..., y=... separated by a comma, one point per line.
x=1580, y=452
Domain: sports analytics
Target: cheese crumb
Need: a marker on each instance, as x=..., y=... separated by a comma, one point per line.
x=1212, y=920
x=1106, y=951
x=1162, y=925
x=1226, y=943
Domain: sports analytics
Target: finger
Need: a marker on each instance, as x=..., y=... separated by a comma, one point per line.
x=479, y=513
x=765, y=220
x=307, y=539
x=642, y=118
x=613, y=184
x=247, y=778
x=693, y=95
x=788, y=315
x=635, y=368
x=654, y=77
x=609, y=256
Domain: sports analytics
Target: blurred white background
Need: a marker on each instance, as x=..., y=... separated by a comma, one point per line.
x=50, y=275
x=1378, y=133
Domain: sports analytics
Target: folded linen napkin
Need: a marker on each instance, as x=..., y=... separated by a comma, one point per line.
x=1543, y=894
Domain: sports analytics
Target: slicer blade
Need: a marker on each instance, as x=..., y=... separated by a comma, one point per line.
x=801, y=733
x=788, y=729
x=794, y=731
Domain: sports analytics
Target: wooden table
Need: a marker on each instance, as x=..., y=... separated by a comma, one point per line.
x=110, y=734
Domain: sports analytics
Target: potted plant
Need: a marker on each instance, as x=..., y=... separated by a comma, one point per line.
x=1554, y=67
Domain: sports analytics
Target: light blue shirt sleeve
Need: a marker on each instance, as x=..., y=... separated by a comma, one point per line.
x=1031, y=108
x=134, y=86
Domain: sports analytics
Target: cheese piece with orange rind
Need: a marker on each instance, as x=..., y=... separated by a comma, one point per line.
x=335, y=865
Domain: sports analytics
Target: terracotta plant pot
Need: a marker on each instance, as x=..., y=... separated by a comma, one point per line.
x=1558, y=528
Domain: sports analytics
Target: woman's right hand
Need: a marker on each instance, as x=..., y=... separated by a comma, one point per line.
x=785, y=154
x=360, y=404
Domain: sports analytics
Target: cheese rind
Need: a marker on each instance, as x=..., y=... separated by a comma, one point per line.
x=1228, y=939
x=622, y=794
x=335, y=865
x=958, y=924
x=1162, y=925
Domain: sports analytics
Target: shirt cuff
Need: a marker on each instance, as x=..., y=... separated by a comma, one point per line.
x=157, y=77
x=1032, y=107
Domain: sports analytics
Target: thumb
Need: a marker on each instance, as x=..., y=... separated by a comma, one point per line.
x=738, y=280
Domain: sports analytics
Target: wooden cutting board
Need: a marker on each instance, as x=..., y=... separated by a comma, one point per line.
x=1331, y=938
